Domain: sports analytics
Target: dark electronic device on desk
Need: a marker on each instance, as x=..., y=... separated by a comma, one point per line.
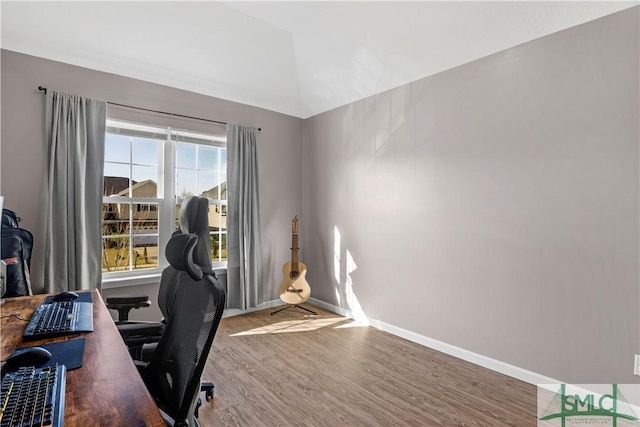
x=68, y=353
x=65, y=296
x=80, y=296
x=29, y=356
x=60, y=315
x=34, y=378
x=34, y=381
x=33, y=396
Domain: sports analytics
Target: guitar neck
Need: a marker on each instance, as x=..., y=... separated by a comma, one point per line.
x=294, y=252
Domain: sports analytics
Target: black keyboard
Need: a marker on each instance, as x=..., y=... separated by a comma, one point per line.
x=60, y=318
x=33, y=397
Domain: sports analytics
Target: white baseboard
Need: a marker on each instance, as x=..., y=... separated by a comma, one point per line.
x=469, y=356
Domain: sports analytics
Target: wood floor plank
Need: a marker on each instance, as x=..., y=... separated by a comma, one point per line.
x=295, y=369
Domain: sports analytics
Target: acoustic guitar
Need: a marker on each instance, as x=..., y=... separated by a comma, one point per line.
x=294, y=288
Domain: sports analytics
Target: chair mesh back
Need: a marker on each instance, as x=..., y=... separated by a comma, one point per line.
x=173, y=373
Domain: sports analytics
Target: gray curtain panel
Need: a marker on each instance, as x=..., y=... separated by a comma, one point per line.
x=244, y=247
x=75, y=132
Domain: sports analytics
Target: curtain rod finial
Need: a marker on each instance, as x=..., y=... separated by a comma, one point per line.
x=42, y=89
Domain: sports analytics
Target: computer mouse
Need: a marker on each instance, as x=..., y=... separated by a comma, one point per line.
x=30, y=356
x=65, y=296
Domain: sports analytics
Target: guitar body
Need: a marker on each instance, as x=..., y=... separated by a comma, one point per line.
x=294, y=288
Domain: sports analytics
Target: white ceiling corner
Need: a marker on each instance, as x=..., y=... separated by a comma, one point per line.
x=298, y=58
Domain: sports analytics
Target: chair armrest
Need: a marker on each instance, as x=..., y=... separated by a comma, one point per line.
x=125, y=303
x=127, y=299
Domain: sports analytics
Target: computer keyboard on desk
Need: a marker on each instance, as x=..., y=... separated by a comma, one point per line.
x=33, y=397
x=60, y=318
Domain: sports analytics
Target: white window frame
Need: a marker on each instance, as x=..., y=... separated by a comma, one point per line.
x=167, y=202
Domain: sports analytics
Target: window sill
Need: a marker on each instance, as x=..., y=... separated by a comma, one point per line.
x=124, y=281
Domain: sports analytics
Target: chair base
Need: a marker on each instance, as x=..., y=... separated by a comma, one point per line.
x=288, y=306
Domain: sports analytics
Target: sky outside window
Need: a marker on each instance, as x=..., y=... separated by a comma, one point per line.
x=200, y=168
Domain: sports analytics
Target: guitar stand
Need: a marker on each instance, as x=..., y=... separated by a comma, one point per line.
x=294, y=306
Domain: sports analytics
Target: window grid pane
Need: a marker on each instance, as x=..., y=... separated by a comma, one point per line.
x=130, y=236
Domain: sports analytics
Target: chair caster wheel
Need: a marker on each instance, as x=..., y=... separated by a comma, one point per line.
x=208, y=390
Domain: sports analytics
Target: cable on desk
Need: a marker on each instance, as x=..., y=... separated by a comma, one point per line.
x=14, y=315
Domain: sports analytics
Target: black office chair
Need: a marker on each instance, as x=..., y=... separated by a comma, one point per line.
x=142, y=337
x=194, y=310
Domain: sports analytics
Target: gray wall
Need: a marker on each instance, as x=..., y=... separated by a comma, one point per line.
x=24, y=155
x=494, y=206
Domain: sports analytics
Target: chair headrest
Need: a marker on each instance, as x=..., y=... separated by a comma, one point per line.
x=194, y=215
x=179, y=253
x=194, y=218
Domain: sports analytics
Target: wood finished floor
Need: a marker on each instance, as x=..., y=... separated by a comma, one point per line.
x=292, y=369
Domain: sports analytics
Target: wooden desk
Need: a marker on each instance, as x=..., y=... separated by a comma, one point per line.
x=107, y=390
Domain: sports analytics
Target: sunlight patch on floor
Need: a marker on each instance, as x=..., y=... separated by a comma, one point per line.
x=286, y=326
x=354, y=324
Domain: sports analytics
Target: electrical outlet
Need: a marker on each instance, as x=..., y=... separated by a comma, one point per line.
x=636, y=365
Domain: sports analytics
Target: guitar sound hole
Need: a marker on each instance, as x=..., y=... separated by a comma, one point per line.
x=294, y=274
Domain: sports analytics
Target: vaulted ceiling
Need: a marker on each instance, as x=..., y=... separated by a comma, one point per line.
x=297, y=58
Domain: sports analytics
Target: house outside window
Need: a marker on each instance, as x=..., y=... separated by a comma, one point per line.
x=148, y=171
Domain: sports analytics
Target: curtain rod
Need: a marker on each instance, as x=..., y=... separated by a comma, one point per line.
x=44, y=89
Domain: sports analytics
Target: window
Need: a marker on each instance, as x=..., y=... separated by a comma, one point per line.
x=148, y=171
